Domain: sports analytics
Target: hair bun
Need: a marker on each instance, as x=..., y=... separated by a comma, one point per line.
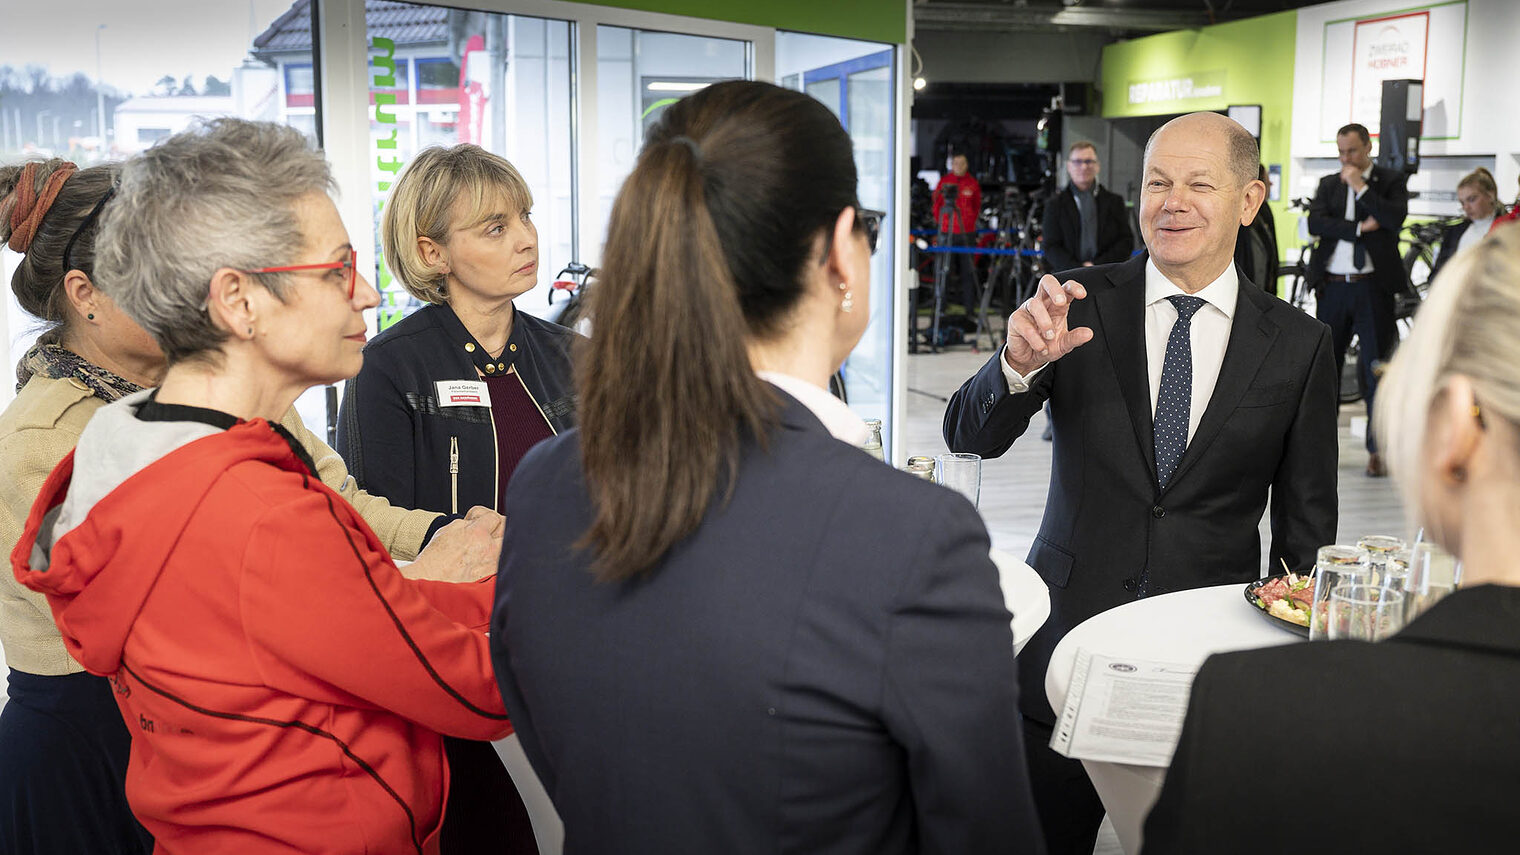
x=31, y=204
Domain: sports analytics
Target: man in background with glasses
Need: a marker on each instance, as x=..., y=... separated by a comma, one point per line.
x=1084, y=223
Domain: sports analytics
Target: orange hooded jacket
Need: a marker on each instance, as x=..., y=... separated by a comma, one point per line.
x=284, y=684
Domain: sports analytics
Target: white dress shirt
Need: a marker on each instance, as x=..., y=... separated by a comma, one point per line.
x=836, y=416
x=1210, y=335
x=1343, y=257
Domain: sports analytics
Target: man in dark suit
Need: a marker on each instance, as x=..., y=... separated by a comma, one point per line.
x=1181, y=395
x=1357, y=214
x=1084, y=223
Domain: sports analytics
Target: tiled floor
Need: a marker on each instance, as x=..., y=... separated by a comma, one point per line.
x=1014, y=485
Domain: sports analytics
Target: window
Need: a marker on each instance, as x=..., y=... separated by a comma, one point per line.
x=638, y=74
x=440, y=76
x=854, y=79
x=108, y=80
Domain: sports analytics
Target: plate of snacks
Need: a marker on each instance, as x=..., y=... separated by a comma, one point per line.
x=1285, y=599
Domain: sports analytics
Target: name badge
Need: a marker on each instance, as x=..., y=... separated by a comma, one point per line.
x=463, y=393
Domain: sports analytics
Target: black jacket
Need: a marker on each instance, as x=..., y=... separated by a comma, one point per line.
x=1451, y=236
x=1386, y=200
x=824, y=666
x=396, y=439
x=1063, y=230
x=1407, y=745
x=1269, y=425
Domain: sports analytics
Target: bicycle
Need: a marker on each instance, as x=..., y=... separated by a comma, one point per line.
x=574, y=280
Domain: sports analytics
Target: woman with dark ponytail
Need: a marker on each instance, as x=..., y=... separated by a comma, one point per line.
x=719, y=625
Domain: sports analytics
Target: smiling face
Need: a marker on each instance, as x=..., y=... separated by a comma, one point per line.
x=959, y=164
x=316, y=335
x=490, y=254
x=1192, y=203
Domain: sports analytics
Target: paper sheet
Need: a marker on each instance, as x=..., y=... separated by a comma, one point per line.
x=1123, y=710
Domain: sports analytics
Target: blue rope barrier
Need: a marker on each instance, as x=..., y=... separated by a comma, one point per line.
x=932, y=232
x=976, y=250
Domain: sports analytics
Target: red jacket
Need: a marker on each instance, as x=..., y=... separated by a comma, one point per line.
x=284, y=684
x=967, y=193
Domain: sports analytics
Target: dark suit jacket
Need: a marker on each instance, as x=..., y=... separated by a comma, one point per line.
x=1063, y=230
x=1450, y=237
x=1270, y=424
x=825, y=666
x=1408, y=745
x=1386, y=199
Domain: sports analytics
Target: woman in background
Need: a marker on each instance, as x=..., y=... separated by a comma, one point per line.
x=287, y=718
x=450, y=398
x=1479, y=196
x=1407, y=745
x=720, y=626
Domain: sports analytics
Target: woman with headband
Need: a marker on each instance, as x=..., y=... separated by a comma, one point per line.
x=62, y=741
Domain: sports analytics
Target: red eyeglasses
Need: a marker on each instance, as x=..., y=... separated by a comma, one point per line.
x=349, y=265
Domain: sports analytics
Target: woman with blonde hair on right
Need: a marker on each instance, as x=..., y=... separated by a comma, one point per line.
x=721, y=626
x=1409, y=744
x=1479, y=196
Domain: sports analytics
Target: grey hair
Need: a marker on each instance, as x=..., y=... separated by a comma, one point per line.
x=1244, y=153
x=1469, y=325
x=221, y=194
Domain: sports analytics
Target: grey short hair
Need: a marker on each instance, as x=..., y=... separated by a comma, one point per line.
x=1244, y=153
x=221, y=194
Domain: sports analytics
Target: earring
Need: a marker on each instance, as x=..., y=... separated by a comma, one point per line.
x=90, y=316
x=250, y=332
x=1459, y=474
x=848, y=303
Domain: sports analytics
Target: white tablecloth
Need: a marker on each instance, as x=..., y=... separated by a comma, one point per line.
x=1025, y=595
x=1185, y=627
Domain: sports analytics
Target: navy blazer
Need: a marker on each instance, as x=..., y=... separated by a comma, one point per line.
x=824, y=666
x=1408, y=745
x=399, y=443
x=1270, y=425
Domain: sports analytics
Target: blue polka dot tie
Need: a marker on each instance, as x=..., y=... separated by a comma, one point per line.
x=1175, y=398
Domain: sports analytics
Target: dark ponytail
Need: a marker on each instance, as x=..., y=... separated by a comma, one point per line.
x=706, y=249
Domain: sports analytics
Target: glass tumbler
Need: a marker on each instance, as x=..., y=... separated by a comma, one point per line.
x=960, y=472
x=1334, y=565
x=1365, y=612
x=1433, y=573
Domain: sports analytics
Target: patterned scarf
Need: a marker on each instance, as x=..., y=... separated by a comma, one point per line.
x=55, y=362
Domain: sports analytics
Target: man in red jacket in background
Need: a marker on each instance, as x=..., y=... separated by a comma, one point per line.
x=958, y=220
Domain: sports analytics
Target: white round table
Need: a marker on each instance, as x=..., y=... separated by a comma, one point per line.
x=1025, y=595
x=1185, y=628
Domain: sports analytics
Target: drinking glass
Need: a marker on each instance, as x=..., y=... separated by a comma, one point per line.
x=1334, y=565
x=960, y=472
x=1433, y=573
x=1381, y=550
x=1365, y=612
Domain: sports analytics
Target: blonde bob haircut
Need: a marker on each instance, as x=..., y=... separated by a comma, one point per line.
x=424, y=204
x=1468, y=326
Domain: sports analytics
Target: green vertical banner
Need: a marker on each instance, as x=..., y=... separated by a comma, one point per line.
x=393, y=298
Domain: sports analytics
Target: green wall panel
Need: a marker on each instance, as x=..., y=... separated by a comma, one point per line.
x=873, y=20
x=1241, y=62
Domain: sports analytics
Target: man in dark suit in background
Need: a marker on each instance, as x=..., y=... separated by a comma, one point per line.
x=1084, y=223
x=1181, y=394
x=1357, y=214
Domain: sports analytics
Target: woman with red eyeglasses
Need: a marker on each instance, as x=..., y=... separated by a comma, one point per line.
x=284, y=686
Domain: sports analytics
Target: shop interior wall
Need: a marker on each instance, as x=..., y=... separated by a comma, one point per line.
x=1470, y=41
x=1251, y=60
